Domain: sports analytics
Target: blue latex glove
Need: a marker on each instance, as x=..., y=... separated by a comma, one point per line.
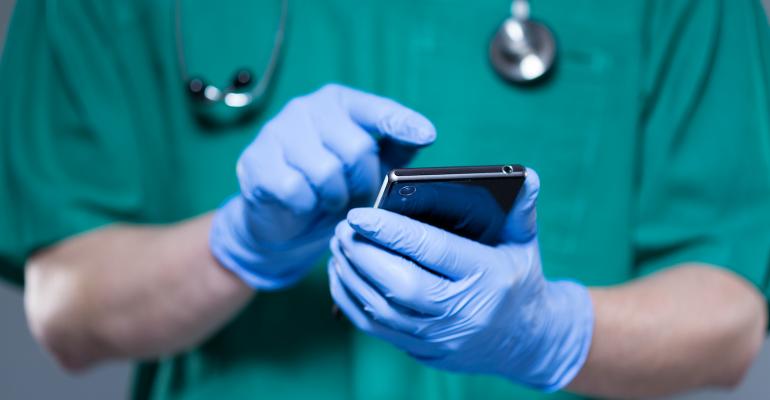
x=305, y=169
x=460, y=305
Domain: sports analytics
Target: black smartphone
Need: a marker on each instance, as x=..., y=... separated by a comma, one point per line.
x=470, y=201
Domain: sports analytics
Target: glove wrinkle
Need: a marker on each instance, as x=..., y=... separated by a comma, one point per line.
x=306, y=167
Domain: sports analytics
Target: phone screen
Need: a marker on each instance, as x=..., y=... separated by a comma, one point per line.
x=473, y=208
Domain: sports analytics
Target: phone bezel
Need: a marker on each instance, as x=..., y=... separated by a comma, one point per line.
x=448, y=174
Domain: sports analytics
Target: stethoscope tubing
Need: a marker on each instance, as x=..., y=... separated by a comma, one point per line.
x=522, y=52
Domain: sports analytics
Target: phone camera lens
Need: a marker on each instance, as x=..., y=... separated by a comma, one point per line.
x=507, y=169
x=407, y=191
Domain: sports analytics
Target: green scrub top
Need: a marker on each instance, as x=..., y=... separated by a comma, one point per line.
x=652, y=141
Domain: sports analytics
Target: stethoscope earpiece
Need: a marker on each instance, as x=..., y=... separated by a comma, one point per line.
x=243, y=92
x=522, y=51
x=196, y=87
x=201, y=91
x=242, y=79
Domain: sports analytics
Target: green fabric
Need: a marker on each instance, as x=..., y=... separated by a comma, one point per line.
x=652, y=142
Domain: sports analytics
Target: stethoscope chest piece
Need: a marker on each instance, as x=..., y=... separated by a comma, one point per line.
x=522, y=51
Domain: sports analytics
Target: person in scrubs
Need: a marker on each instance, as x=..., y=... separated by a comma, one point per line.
x=198, y=245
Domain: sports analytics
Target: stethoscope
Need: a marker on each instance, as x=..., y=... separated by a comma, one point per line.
x=242, y=92
x=522, y=52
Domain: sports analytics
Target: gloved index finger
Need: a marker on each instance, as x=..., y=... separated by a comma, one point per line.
x=399, y=280
x=438, y=250
x=385, y=117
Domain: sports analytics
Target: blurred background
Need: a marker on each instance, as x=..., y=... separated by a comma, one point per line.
x=26, y=372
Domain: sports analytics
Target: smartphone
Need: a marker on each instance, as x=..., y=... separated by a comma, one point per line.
x=470, y=201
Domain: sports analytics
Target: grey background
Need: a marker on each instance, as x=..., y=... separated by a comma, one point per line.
x=26, y=372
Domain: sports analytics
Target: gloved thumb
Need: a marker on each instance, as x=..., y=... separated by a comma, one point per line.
x=521, y=223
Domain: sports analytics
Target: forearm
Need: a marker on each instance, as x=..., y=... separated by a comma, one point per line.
x=129, y=292
x=687, y=327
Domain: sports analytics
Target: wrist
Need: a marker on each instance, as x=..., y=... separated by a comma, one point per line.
x=572, y=325
x=561, y=340
x=261, y=265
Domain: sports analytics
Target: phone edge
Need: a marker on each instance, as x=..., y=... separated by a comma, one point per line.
x=385, y=183
x=391, y=178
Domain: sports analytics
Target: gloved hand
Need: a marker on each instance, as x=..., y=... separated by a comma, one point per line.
x=305, y=169
x=460, y=305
